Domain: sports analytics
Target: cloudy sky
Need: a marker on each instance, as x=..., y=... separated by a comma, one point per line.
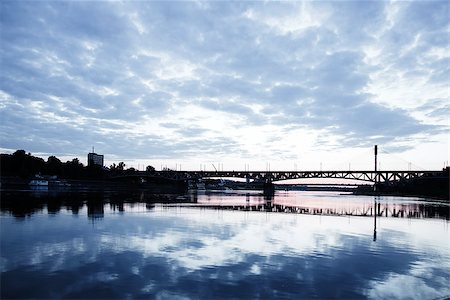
x=293, y=84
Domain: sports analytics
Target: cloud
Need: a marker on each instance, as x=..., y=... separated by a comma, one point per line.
x=99, y=70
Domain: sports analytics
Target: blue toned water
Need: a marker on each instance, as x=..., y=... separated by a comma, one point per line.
x=214, y=245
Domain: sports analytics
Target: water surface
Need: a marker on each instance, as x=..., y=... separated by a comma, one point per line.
x=223, y=245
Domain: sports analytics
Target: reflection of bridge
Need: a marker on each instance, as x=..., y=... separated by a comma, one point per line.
x=270, y=176
x=327, y=207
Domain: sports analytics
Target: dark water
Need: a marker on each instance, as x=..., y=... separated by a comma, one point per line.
x=222, y=245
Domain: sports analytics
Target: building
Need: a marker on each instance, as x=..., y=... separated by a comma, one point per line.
x=95, y=159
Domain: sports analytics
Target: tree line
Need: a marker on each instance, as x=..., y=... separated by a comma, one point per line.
x=25, y=165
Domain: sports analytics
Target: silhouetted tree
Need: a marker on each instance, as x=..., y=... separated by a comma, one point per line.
x=20, y=153
x=76, y=162
x=53, y=166
x=130, y=170
x=121, y=166
x=73, y=169
x=25, y=165
x=20, y=164
x=150, y=169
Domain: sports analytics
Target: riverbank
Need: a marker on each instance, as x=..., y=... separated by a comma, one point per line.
x=433, y=187
x=436, y=188
x=157, y=185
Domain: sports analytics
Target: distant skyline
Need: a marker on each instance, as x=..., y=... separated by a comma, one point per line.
x=303, y=85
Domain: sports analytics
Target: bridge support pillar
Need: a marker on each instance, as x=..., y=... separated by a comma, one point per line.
x=269, y=190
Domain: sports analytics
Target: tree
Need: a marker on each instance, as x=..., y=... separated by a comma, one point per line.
x=54, y=160
x=53, y=166
x=75, y=162
x=21, y=164
x=130, y=170
x=19, y=153
x=150, y=169
x=121, y=166
x=73, y=168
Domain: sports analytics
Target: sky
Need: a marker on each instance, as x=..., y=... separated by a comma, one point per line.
x=252, y=84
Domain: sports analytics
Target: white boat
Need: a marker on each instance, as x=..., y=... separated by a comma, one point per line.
x=38, y=182
x=201, y=186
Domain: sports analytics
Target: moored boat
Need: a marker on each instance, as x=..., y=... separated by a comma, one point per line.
x=38, y=182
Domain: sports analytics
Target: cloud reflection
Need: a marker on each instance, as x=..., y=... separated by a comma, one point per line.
x=186, y=252
x=398, y=286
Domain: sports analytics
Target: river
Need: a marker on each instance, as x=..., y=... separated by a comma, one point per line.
x=212, y=245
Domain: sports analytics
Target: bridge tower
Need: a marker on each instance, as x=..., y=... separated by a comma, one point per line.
x=376, y=153
x=376, y=175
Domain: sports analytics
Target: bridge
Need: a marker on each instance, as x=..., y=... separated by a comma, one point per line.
x=273, y=176
x=438, y=186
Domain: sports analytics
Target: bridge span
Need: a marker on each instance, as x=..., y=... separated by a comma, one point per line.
x=272, y=176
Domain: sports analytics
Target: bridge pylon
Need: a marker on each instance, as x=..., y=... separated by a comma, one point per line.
x=269, y=188
x=376, y=174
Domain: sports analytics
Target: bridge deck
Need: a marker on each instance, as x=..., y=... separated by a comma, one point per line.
x=270, y=176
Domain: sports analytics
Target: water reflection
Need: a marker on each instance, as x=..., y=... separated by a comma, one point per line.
x=330, y=204
x=25, y=203
x=172, y=252
x=222, y=245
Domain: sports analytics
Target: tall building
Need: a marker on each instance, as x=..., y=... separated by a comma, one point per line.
x=95, y=159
